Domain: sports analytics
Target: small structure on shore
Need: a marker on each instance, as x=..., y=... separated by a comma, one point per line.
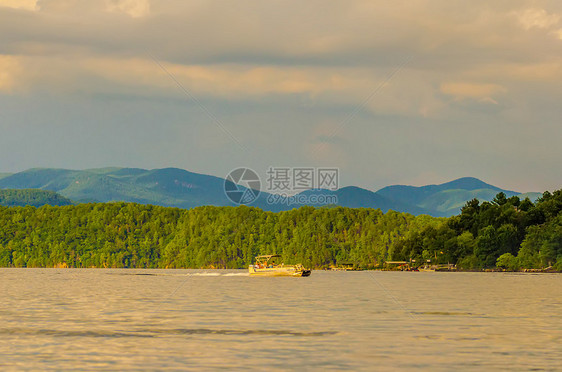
x=398, y=265
x=410, y=266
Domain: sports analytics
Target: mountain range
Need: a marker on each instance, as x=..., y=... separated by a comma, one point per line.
x=183, y=189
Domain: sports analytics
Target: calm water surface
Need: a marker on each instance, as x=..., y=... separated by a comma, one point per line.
x=88, y=319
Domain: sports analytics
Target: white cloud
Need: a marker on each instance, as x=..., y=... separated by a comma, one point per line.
x=20, y=4
x=134, y=8
x=536, y=18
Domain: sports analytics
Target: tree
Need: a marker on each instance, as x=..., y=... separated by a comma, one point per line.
x=500, y=199
x=508, y=262
x=486, y=246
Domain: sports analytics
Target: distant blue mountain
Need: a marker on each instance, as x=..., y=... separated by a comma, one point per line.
x=180, y=188
x=356, y=197
x=445, y=199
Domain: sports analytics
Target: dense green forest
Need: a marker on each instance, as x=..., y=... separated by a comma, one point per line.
x=507, y=231
x=33, y=197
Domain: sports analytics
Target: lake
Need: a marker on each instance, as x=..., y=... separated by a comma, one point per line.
x=124, y=319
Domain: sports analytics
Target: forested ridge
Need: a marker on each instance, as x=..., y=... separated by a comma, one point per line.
x=508, y=232
x=33, y=197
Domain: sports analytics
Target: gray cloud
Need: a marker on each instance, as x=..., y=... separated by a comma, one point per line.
x=480, y=96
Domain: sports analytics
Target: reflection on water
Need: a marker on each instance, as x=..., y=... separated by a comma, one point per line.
x=87, y=319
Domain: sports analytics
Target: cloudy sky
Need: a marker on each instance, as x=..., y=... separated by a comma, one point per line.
x=408, y=92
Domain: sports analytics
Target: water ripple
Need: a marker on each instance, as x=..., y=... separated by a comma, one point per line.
x=160, y=332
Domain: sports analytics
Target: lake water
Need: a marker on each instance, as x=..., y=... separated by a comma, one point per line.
x=62, y=319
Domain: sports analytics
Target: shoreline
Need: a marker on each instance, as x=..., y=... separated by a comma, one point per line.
x=523, y=271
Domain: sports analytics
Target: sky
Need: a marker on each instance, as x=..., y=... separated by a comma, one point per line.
x=404, y=92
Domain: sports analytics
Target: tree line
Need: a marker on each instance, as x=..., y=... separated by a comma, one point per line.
x=507, y=232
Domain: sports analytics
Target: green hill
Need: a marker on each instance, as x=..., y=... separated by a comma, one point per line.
x=145, y=236
x=507, y=233
x=32, y=197
x=165, y=187
x=172, y=187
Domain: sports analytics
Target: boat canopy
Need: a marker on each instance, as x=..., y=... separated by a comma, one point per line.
x=263, y=260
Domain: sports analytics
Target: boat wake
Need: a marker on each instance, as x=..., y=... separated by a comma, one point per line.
x=179, y=274
x=217, y=274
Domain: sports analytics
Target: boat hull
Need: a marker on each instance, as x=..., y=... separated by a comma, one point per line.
x=277, y=271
